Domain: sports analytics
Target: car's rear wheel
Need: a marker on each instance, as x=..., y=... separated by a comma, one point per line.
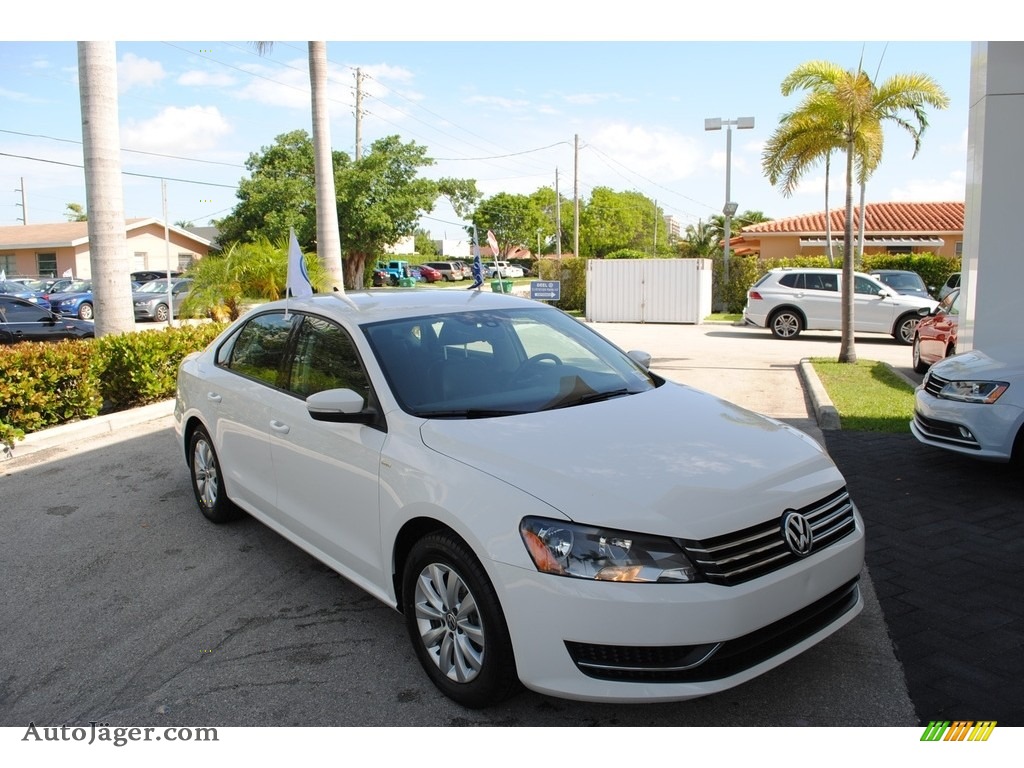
x=456, y=623
x=786, y=324
x=919, y=365
x=206, y=479
x=85, y=311
x=905, y=327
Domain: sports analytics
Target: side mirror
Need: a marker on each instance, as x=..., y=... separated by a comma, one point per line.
x=343, y=406
x=925, y=312
x=641, y=358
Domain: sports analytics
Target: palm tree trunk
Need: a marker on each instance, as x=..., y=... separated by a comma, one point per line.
x=104, y=195
x=328, y=238
x=828, y=212
x=860, y=223
x=847, y=351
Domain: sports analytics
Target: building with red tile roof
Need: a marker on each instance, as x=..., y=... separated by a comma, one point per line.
x=888, y=228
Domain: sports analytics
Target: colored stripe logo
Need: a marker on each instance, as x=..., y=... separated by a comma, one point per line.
x=958, y=730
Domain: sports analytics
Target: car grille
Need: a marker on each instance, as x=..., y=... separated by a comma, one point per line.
x=740, y=556
x=715, y=661
x=933, y=384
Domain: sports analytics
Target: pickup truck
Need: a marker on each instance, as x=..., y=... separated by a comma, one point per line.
x=502, y=269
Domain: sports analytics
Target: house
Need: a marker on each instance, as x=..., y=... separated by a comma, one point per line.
x=58, y=249
x=888, y=228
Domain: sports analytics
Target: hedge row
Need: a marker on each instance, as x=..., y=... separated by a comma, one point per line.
x=45, y=384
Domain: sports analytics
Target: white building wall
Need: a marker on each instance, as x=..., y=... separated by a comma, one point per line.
x=993, y=262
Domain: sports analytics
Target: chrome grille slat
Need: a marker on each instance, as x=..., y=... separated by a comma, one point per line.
x=746, y=554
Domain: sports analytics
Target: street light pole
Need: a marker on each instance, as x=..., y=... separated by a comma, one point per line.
x=715, y=124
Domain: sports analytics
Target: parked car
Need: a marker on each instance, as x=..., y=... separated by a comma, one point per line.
x=427, y=274
x=541, y=507
x=935, y=335
x=22, y=320
x=951, y=284
x=145, y=275
x=150, y=301
x=902, y=281
x=22, y=291
x=973, y=404
x=502, y=269
x=790, y=300
x=59, y=285
x=74, y=301
x=467, y=270
x=449, y=270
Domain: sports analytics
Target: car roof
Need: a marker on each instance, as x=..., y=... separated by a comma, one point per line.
x=369, y=306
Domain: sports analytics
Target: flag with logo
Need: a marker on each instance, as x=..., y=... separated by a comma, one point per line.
x=68, y=272
x=478, y=267
x=299, y=286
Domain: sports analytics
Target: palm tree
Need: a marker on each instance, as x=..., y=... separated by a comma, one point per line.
x=328, y=238
x=849, y=105
x=104, y=195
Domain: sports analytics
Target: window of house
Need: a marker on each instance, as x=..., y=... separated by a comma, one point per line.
x=184, y=261
x=7, y=263
x=46, y=264
x=958, y=248
x=899, y=249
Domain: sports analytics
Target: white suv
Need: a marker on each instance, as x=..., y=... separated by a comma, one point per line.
x=789, y=300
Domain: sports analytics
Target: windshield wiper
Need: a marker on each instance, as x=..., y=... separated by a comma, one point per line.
x=467, y=413
x=584, y=398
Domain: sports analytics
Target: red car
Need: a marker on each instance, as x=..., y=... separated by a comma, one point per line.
x=935, y=335
x=429, y=274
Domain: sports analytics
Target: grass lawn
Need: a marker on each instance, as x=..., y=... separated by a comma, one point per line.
x=867, y=395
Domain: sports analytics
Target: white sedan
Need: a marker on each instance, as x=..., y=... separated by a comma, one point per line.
x=503, y=269
x=973, y=404
x=542, y=509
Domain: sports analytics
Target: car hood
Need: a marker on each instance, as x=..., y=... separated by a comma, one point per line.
x=1002, y=362
x=671, y=461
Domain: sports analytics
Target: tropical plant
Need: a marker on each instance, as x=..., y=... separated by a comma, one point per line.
x=844, y=108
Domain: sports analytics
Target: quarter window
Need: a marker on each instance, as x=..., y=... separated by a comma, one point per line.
x=259, y=348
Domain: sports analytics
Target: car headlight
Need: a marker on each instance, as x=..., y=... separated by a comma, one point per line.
x=602, y=554
x=973, y=391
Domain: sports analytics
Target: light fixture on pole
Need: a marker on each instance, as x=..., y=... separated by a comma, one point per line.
x=715, y=124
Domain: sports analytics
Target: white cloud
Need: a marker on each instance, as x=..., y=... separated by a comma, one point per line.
x=653, y=153
x=133, y=71
x=500, y=102
x=200, y=79
x=940, y=190
x=177, y=131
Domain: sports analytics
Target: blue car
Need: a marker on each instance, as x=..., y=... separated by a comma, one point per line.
x=22, y=291
x=74, y=301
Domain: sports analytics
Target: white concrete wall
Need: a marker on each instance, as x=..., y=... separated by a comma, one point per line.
x=993, y=261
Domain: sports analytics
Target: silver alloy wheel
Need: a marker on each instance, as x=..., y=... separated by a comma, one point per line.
x=204, y=469
x=449, y=623
x=160, y=315
x=786, y=325
x=905, y=330
x=85, y=311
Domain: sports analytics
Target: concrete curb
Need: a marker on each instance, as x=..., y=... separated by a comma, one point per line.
x=824, y=411
x=94, y=427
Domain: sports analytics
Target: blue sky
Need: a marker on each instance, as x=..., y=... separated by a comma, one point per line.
x=504, y=113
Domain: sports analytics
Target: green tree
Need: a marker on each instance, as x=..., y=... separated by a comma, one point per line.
x=849, y=104
x=514, y=219
x=700, y=240
x=613, y=221
x=424, y=243
x=75, y=212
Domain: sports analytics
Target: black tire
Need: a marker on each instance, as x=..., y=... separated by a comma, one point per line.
x=160, y=313
x=919, y=365
x=786, y=324
x=207, y=481
x=904, y=329
x=85, y=311
x=456, y=624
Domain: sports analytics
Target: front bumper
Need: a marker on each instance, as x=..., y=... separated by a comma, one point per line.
x=613, y=642
x=973, y=429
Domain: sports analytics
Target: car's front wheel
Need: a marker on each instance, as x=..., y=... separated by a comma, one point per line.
x=160, y=313
x=207, y=483
x=905, y=327
x=456, y=623
x=786, y=324
x=85, y=311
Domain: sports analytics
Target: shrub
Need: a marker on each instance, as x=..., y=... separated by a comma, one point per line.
x=572, y=274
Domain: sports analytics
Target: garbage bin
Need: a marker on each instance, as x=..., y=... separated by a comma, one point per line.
x=501, y=286
x=407, y=282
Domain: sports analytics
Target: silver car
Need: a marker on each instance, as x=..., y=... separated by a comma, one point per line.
x=151, y=301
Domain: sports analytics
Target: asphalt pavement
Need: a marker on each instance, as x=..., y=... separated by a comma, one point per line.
x=941, y=634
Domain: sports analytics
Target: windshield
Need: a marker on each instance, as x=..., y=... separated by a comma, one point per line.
x=78, y=286
x=497, y=363
x=154, y=286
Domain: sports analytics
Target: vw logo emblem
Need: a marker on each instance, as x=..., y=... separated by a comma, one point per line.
x=797, y=533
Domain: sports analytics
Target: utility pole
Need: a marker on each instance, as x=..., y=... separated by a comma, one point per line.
x=23, y=203
x=359, y=113
x=558, y=220
x=576, y=198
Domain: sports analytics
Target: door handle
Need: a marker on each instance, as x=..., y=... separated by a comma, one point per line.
x=279, y=426
x=213, y=397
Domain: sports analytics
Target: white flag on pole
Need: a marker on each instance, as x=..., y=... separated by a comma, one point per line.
x=68, y=272
x=3, y=275
x=298, y=277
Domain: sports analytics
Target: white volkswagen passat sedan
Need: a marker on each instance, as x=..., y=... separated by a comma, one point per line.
x=973, y=403
x=543, y=509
